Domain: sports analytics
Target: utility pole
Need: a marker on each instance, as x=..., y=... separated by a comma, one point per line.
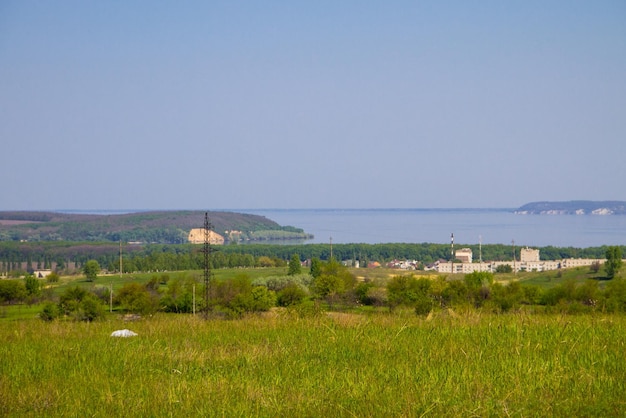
x=207, y=268
x=480, y=252
x=514, y=266
x=452, y=252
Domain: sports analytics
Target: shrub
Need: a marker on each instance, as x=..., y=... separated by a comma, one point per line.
x=90, y=308
x=361, y=292
x=277, y=283
x=103, y=293
x=49, y=312
x=423, y=305
x=135, y=298
x=265, y=261
x=178, y=296
x=52, y=277
x=12, y=291
x=506, y=297
x=80, y=304
x=455, y=293
x=407, y=290
x=377, y=296
x=237, y=296
x=308, y=308
x=290, y=295
x=615, y=296
x=262, y=299
x=565, y=291
x=532, y=294
x=70, y=300
x=587, y=293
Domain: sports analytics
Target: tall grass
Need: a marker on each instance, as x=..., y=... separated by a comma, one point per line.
x=336, y=364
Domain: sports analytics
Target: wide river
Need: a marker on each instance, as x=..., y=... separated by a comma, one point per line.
x=469, y=226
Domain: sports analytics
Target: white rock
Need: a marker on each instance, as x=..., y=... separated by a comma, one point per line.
x=123, y=333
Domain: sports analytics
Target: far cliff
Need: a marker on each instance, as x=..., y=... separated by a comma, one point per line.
x=574, y=207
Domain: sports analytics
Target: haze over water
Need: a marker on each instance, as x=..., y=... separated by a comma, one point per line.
x=493, y=226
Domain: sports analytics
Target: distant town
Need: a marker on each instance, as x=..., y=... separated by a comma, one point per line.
x=464, y=263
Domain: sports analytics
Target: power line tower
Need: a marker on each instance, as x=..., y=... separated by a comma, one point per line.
x=207, y=250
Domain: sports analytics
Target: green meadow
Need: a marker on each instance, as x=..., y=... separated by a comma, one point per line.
x=280, y=363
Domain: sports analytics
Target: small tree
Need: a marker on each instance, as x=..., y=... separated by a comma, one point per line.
x=316, y=267
x=91, y=270
x=613, y=261
x=294, y=265
x=32, y=285
x=90, y=308
x=50, y=312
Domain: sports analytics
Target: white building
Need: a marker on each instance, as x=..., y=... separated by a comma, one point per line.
x=529, y=261
x=529, y=255
x=464, y=255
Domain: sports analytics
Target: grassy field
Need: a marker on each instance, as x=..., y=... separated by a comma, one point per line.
x=334, y=364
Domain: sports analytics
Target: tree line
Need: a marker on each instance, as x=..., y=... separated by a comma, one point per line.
x=27, y=257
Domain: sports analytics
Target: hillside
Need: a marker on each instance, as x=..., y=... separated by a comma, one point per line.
x=157, y=227
x=574, y=207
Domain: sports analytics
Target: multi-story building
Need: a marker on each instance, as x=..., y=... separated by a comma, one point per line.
x=529, y=261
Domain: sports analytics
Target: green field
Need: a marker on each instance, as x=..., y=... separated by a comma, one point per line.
x=331, y=364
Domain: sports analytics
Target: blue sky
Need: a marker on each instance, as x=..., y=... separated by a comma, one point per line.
x=277, y=104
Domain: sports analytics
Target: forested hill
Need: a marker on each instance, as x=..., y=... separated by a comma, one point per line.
x=574, y=207
x=155, y=227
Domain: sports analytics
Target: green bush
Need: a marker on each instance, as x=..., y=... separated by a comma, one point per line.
x=49, y=312
x=361, y=292
x=277, y=283
x=407, y=290
x=423, y=305
x=238, y=296
x=89, y=309
x=506, y=298
x=178, y=296
x=80, y=304
x=52, y=277
x=70, y=299
x=290, y=295
x=135, y=298
x=12, y=291
x=615, y=296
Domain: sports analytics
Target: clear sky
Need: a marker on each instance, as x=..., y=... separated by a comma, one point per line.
x=317, y=104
